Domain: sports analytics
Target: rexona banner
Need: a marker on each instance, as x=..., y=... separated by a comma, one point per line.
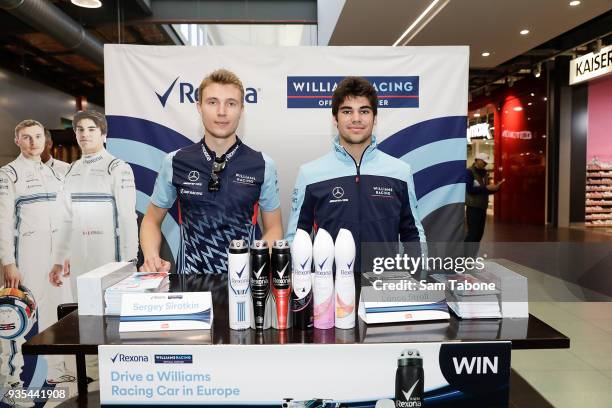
x=408, y=375
x=151, y=94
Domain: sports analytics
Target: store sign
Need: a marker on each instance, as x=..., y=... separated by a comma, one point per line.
x=521, y=135
x=592, y=65
x=474, y=373
x=479, y=131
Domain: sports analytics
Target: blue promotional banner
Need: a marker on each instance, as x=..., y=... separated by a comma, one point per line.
x=411, y=375
x=151, y=95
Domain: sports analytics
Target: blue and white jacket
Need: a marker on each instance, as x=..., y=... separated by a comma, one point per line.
x=375, y=200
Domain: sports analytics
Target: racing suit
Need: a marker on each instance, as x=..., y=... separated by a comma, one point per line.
x=98, y=215
x=28, y=191
x=374, y=199
x=60, y=167
x=210, y=220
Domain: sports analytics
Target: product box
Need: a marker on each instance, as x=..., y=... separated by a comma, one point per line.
x=513, y=289
x=92, y=285
x=393, y=306
x=141, y=312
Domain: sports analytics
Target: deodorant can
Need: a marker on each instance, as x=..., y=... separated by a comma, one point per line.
x=323, y=284
x=301, y=280
x=260, y=284
x=409, y=379
x=239, y=296
x=281, y=283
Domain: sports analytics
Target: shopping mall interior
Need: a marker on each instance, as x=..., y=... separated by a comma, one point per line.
x=545, y=126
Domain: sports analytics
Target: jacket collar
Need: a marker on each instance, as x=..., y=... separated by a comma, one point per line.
x=343, y=155
x=30, y=162
x=94, y=157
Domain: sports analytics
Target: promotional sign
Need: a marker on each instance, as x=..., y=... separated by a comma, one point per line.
x=151, y=94
x=402, y=375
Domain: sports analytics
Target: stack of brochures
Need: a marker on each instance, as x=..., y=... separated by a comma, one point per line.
x=139, y=282
x=470, y=303
x=395, y=296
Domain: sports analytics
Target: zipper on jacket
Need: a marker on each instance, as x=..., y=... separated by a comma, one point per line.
x=357, y=182
x=357, y=165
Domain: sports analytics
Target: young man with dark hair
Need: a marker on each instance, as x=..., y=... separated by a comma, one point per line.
x=98, y=202
x=356, y=186
x=60, y=167
x=220, y=183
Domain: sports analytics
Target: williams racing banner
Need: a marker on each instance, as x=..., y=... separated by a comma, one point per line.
x=151, y=94
x=408, y=375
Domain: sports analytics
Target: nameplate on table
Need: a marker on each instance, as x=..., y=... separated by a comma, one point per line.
x=166, y=311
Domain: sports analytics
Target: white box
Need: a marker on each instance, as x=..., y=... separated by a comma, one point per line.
x=141, y=312
x=391, y=307
x=513, y=287
x=91, y=286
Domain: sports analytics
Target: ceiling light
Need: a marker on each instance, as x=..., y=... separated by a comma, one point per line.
x=425, y=17
x=477, y=115
x=537, y=71
x=87, y=3
x=532, y=94
x=517, y=108
x=524, y=32
x=574, y=3
x=545, y=98
x=530, y=103
x=486, y=54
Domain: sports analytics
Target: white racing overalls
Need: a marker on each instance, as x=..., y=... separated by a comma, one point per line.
x=28, y=191
x=98, y=217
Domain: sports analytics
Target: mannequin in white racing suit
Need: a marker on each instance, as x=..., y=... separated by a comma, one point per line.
x=28, y=191
x=59, y=167
x=98, y=202
x=98, y=210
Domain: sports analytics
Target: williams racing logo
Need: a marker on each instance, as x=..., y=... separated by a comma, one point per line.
x=316, y=91
x=187, y=92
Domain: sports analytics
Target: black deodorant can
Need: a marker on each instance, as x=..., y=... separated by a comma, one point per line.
x=409, y=380
x=260, y=283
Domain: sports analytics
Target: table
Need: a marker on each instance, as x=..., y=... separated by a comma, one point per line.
x=81, y=335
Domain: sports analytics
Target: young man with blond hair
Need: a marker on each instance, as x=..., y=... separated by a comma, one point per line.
x=220, y=183
x=28, y=191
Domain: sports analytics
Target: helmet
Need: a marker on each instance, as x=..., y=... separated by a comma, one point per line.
x=17, y=312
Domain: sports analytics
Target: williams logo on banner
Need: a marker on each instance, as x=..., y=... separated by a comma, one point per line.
x=316, y=91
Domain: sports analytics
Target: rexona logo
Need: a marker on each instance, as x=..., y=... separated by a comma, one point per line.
x=409, y=400
x=316, y=91
x=125, y=358
x=188, y=93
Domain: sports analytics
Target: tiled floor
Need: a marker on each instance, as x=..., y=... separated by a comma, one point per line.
x=580, y=376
